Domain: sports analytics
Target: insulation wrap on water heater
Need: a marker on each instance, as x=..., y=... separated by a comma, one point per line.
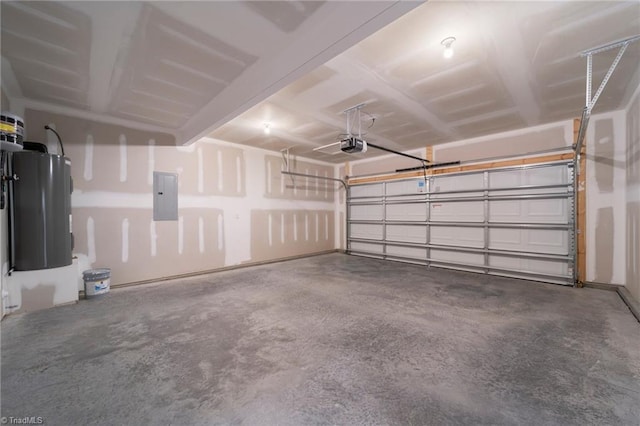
x=41, y=209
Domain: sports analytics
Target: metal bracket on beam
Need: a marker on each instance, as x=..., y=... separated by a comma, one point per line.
x=590, y=102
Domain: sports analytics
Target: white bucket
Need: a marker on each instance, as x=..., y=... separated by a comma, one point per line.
x=96, y=281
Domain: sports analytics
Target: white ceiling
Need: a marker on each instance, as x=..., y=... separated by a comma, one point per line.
x=516, y=64
x=185, y=67
x=225, y=68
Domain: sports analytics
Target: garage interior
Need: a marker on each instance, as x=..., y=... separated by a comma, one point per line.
x=321, y=212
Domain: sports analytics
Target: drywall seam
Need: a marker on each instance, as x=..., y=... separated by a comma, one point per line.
x=180, y=234
x=281, y=181
x=282, y=226
x=152, y=161
x=201, y=170
x=220, y=171
x=269, y=179
x=306, y=227
x=123, y=158
x=326, y=227
x=88, y=158
x=238, y=175
x=125, y=240
x=220, y=232
x=91, y=240
x=306, y=183
x=154, y=239
x=201, y=234
x=326, y=186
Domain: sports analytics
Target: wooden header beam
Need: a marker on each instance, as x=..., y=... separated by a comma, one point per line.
x=465, y=168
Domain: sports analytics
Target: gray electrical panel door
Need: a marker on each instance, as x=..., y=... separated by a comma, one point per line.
x=165, y=196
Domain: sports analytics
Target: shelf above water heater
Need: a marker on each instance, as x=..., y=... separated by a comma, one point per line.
x=10, y=146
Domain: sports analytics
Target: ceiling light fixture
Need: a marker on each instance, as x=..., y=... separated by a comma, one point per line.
x=267, y=128
x=448, y=49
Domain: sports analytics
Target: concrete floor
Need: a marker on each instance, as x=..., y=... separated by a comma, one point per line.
x=332, y=339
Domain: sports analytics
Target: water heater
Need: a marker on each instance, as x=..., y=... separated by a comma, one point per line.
x=41, y=211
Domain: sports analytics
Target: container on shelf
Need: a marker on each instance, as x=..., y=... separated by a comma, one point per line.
x=11, y=131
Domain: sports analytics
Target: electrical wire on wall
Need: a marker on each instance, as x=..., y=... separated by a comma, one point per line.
x=58, y=136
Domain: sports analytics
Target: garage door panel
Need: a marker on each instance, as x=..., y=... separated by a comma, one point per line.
x=457, y=257
x=505, y=179
x=550, y=175
x=457, y=236
x=375, y=190
x=367, y=247
x=505, y=239
x=367, y=212
x=457, y=183
x=533, y=241
x=549, y=241
x=505, y=211
x=464, y=211
x=546, y=267
x=549, y=210
x=529, y=211
x=407, y=233
x=546, y=175
x=410, y=252
x=407, y=212
x=372, y=232
x=413, y=186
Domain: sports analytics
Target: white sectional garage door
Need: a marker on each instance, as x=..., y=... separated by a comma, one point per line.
x=515, y=221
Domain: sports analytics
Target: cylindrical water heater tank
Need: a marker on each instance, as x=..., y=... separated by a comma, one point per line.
x=41, y=211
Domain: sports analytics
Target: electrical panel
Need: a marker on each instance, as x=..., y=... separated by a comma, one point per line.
x=165, y=196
